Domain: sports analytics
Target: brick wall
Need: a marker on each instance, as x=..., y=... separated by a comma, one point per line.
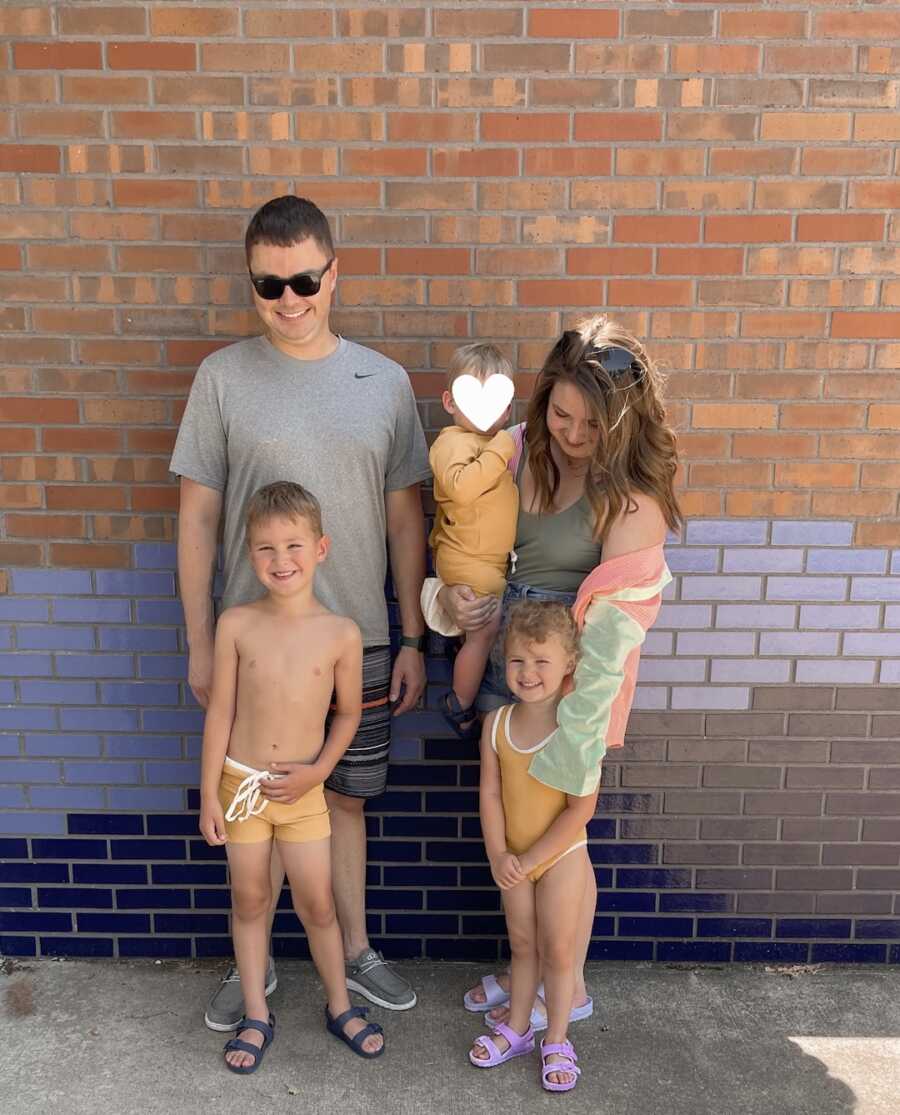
x=720, y=176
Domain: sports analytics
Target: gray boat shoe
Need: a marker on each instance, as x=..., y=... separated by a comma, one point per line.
x=225, y=1009
x=370, y=975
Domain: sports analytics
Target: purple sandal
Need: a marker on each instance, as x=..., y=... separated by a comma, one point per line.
x=519, y=1045
x=562, y=1049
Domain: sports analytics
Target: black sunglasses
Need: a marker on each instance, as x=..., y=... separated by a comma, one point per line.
x=615, y=360
x=305, y=285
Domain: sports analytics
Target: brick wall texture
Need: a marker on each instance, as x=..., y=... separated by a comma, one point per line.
x=722, y=177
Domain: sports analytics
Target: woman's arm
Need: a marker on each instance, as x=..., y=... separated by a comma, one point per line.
x=466, y=608
x=562, y=832
x=635, y=530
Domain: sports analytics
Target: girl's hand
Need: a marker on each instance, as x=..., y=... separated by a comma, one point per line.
x=212, y=823
x=466, y=608
x=507, y=871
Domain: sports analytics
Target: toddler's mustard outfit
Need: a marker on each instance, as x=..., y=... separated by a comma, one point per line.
x=251, y=818
x=530, y=807
x=477, y=507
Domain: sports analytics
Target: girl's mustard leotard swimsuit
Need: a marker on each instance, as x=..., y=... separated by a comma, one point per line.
x=530, y=807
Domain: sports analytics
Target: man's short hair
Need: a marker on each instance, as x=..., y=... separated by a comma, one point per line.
x=480, y=359
x=285, y=221
x=283, y=500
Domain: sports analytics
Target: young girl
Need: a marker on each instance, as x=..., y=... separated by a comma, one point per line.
x=536, y=841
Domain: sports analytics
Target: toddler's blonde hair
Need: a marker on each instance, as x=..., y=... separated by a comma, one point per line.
x=480, y=360
x=536, y=620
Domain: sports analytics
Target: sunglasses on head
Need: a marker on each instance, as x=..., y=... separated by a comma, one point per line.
x=615, y=360
x=305, y=284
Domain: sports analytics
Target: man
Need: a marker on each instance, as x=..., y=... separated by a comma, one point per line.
x=300, y=403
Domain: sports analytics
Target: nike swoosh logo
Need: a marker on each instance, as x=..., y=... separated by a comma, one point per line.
x=363, y=375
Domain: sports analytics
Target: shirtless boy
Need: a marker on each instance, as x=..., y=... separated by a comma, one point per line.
x=277, y=662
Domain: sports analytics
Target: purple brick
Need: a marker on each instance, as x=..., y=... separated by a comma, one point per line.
x=155, y=555
x=185, y=773
x=25, y=770
x=193, y=745
x=755, y=616
x=120, y=582
x=160, y=612
x=751, y=670
x=670, y=591
x=650, y=697
x=798, y=642
x=892, y=615
x=96, y=665
x=838, y=616
x=835, y=670
x=895, y=561
x=58, y=692
x=68, y=797
x=51, y=582
x=769, y=560
x=139, y=693
x=92, y=611
x=26, y=665
x=715, y=642
x=890, y=673
x=811, y=532
x=721, y=588
x=687, y=560
x=880, y=645
x=405, y=749
x=143, y=747
x=875, y=588
x=711, y=697
x=60, y=744
x=658, y=642
x=806, y=588
x=138, y=638
x=679, y=616
x=103, y=773
x=36, y=718
x=24, y=610
x=53, y=637
x=98, y=719
x=5, y=637
x=672, y=669
x=144, y=798
x=727, y=532
x=846, y=561
x=12, y=797
x=163, y=666
x=9, y=745
x=33, y=823
x=180, y=720
x=7, y=692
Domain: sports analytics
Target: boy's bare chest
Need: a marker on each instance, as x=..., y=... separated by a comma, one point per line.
x=287, y=661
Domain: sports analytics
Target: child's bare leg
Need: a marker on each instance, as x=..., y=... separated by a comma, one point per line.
x=557, y=935
x=250, y=901
x=519, y=907
x=308, y=867
x=468, y=669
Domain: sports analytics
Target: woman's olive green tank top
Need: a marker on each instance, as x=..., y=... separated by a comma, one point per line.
x=555, y=552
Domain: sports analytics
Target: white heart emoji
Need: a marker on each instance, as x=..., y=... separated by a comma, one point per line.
x=483, y=402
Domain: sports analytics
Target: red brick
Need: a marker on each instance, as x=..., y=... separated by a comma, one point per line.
x=154, y=194
x=840, y=226
x=39, y=411
x=853, y=504
x=91, y=555
x=618, y=125
x=876, y=126
x=20, y=22
x=21, y=496
x=10, y=257
x=754, y=160
x=85, y=497
x=402, y=162
x=834, y=292
x=422, y=127
x=559, y=292
x=784, y=324
x=81, y=439
x=706, y=195
x=349, y=58
x=105, y=90
x=716, y=126
x=699, y=261
x=155, y=498
x=751, y=25
x=724, y=58
x=198, y=90
x=867, y=325
x=798, y=195
x=391, y=23
x=694, y=324
x=811, y=58
x=471, y=23
x=45, y=526
x=857, y=25
x=577, y=92
x=427, y=261
x=17, y=439
x=282, y=23
x=530, y=127
x=774, y=446
x=153, y=125
x=340, y=125
x=845, y=160
x=29, y=158
x=573, y=23
x=767, y=504
x=200, y=23
x=572, y=162
x=747, y=230
x=294, y=160
x=657, y=230
x=650, y=292
x=816, y=474
x=609, y=261
x=59, y=55
x=105, y=20
x=808, y=127
x=151, y=56
x=530, y=58
x=72, y=319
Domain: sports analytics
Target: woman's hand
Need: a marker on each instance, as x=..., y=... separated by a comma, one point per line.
x=466, y=608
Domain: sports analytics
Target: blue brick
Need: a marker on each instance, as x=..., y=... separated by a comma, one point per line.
x=24, y=611
x=424, y=774
x=12, y=797
x=92, y=611
x=426, y=876
x=68, y=797
x=109, y=873
x=294, y=947
x=138, y=797
x=139, y=693
x=635, y=902
x=623, y=853
x=771, y=952
x=54, y=637
x=721, y=588
x=620, y=950
x=468, y=948
x=695, y=902
x=99, y=719
x=404, y=749
x=422, y=923
x=34, y=872
x=809, y=928
x=445, y=801
x=147, y=849
x=97, y=824
x=5, y=637
x=173, y=720
x=150, y=898
x=893, y=953
x=192, y=873
x=656, y=927
x=661, y=877
x=694, y=952
x=113, y=923
x=848, y=954
x=20, y=665
x=23, y=921
x=811, y=532
x=727, y=532
x=36, y=718
x=478, y=925
x=455, y=899
x=155, y=555
x=767, y=560
x=601, y=828
x=103, y=773
x=734, y=927
x=139, y=638
x=220, y=899
x=200, y=850
x=866, y=928
x=682, y=559
x=7, y=691
x=846, y=561
x=389, y=900
x=806, y=588
x=170, y=948
x=421, y=826
x=58, y=693
x=221, y=947
x=163, y=666
x=95, y=665
x=875, y=588
x=32, y=823
x=51, y=582
x=629, y=803
x=184, y=773
x=194, y=923
x=160, y=613
x=172, y=824
x=65, y=898
x=13, y=849
x=29, y=771
x=9, y=746
x=123, y=582
x=62, y=745
x=17, y=946
x=143, y=747
x=470, y=828
x=76, y=946
x=16, y=896
x=397, y=851
x=69, y=849
x=395, y=801
x=463, y=851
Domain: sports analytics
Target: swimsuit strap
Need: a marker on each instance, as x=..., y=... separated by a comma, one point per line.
x=246, y=802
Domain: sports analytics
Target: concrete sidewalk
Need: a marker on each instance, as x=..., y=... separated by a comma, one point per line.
x=86, y=1038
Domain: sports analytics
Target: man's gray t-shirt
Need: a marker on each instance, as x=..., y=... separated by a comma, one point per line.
x=345, y=427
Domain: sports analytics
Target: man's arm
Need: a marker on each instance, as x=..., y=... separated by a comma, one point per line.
x=406, y=544
x=198, y=527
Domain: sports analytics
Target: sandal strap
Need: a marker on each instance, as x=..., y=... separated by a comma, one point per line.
x=516, y=1041
x=236, y=1045
x=563, y=1048
x=343, y=1019
x=370, y=1030
x=267, y=1029
x=487, y=1043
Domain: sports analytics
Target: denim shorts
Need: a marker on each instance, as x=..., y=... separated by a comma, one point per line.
x=494, y=692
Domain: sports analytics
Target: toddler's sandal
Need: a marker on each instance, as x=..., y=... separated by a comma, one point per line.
x=336, y=1026
x=567, y=1065
x=267, y=1029
x=463, y=721
x=519, y=1045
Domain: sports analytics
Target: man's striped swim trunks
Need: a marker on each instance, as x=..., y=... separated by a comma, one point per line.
x=362, y=771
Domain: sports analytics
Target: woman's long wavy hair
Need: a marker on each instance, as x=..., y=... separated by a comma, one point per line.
x=636, y=449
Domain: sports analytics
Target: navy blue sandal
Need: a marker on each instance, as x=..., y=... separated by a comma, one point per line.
x=336, y=1027
x=463, y=721
x=235, y=1044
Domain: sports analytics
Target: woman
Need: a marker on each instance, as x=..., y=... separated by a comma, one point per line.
x=596, y=483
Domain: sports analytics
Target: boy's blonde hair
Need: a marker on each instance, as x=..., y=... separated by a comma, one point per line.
x=536, y=620
x=284, y=500
x=480, y=360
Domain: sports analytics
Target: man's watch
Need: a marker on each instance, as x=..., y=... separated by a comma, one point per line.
x=417, y=642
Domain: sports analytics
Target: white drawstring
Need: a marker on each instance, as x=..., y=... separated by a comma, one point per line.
x=246, y=801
